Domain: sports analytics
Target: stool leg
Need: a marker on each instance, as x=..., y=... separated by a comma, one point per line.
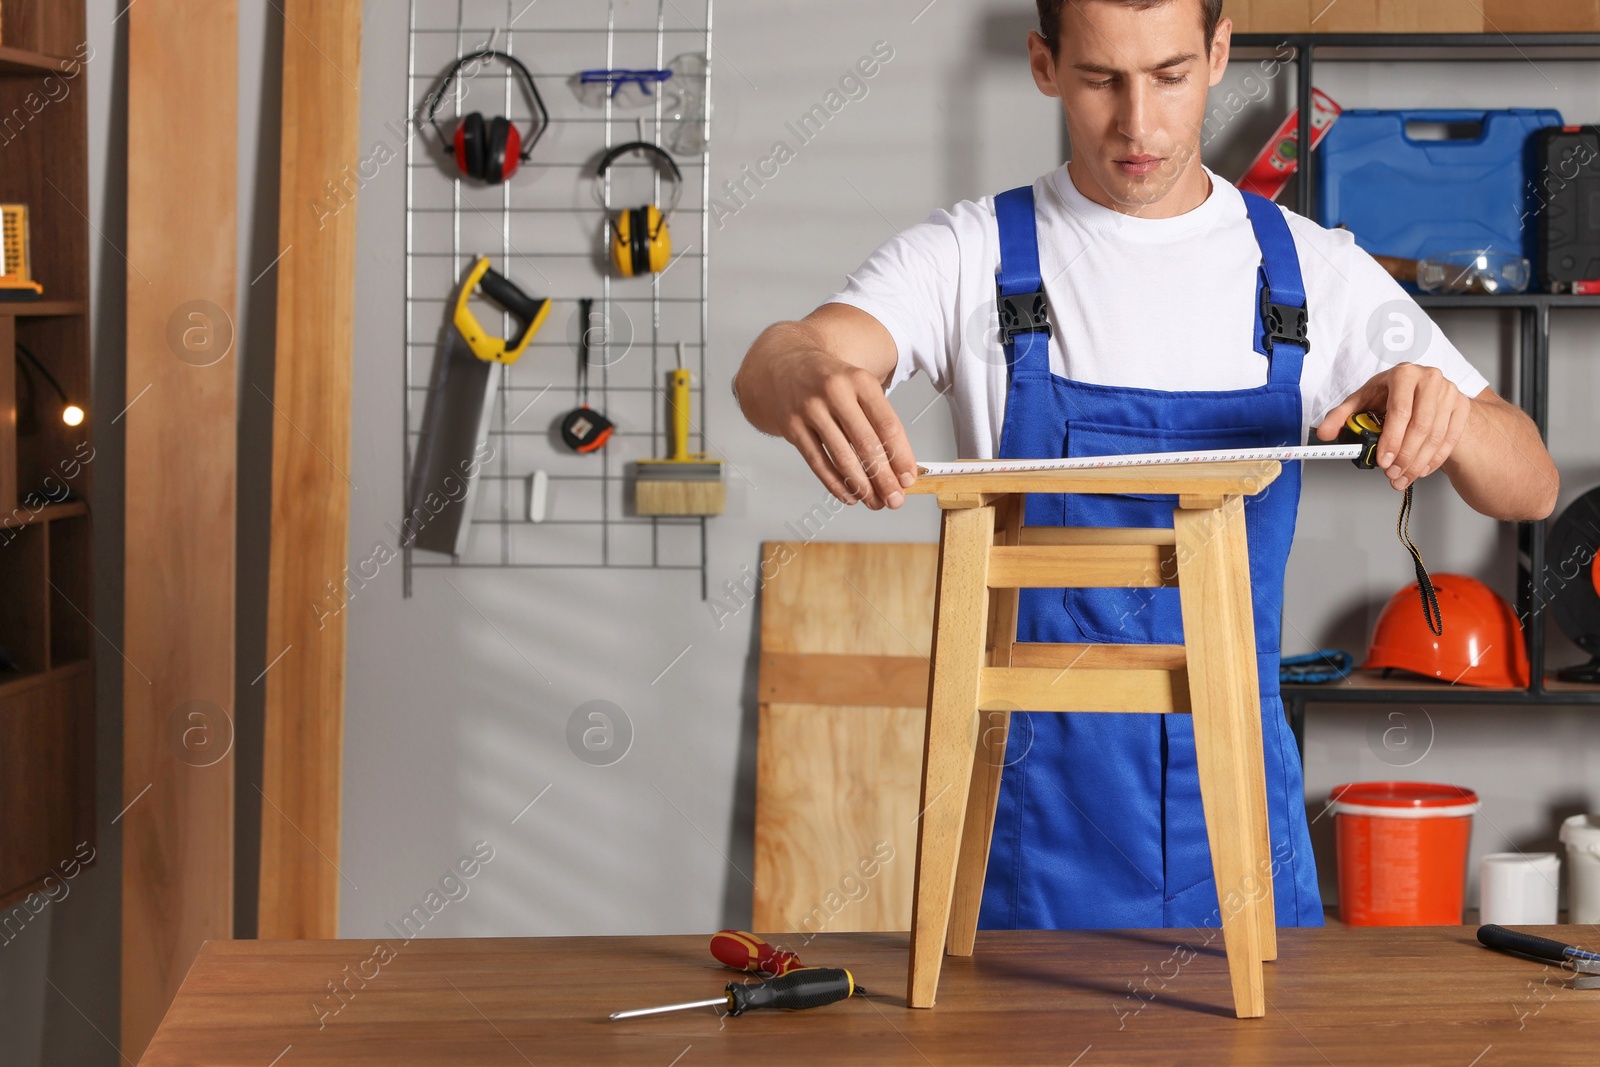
x=960, y=618
x=1217, y=683
x=989, y=754
x=1239, y=571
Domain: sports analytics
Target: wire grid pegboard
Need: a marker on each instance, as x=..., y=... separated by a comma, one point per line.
x=545, y=229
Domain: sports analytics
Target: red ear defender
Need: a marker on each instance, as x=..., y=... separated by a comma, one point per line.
x=475, y=144
x=513, y=153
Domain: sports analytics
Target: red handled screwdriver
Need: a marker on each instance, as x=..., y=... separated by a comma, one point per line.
x=746, y=952
x=808, y=987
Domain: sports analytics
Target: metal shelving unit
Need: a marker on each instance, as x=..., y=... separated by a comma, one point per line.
x=448, y=224
x=1533, y=355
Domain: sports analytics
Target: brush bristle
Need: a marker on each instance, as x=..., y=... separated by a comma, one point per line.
x=661, y=497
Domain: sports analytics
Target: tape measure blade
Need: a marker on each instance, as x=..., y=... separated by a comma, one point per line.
x=1142, y=459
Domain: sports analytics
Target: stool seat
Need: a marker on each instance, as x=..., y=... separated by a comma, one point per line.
x=980, y=673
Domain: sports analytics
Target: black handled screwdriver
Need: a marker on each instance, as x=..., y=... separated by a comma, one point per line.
x=809, y=987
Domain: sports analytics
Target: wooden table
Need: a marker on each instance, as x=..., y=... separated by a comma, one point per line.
x=1340, y=996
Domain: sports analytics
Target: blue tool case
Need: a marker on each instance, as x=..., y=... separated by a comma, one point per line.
x=1422, y=183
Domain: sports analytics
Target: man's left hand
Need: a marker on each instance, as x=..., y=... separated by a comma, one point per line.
x=1424, y=416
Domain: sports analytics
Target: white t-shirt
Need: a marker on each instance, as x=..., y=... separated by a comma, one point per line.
x=1150, y=303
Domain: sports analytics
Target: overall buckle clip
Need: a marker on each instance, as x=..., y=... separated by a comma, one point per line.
x=1023, y=313
x=1282, y=322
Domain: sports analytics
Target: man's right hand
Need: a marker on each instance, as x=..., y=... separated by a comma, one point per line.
x=818, y=384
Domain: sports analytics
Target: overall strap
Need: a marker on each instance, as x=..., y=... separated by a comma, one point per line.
x=1024, y=313
x=1280, y=328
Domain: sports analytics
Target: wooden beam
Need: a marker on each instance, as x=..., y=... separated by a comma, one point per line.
x=181, y=425
x=1049, y=689
x=1098, y=657
x=1081, y=566
x=843, y=680
x=1094, y=535
x=304, y=723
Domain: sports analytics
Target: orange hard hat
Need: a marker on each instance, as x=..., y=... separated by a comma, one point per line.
x=1481, y=645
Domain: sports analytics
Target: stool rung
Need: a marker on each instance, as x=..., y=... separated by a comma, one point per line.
x=1099, y=657
x=1096, y=535
x=1082, y=566
x=1051, y=689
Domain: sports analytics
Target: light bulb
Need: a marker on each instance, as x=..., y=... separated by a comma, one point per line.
x=72, y=415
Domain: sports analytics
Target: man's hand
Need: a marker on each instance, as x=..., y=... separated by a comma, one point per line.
x=818, y=383
x=1490, y=450
x=1424, y=416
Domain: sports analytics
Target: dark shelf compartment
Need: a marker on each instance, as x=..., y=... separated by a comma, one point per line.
x=1303, y=51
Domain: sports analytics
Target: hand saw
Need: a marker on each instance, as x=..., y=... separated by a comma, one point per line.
x=455, y=426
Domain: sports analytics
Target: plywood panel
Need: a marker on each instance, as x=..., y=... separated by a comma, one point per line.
x=836, y=786
x=299, y=895
x=177, y=830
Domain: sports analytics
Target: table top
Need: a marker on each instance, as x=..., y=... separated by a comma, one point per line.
x=1339, y=996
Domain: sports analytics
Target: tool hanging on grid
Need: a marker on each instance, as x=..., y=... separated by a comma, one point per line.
x=583, y=428
x=489, y=150
x=640, y=241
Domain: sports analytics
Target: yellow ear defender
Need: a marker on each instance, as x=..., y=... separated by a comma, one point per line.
x=528, y=313
x=640, y=242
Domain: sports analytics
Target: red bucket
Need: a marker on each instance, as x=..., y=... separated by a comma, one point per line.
x=1402, y=852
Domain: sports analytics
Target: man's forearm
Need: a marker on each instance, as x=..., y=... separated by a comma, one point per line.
x=1500, y=466
x=757, y=384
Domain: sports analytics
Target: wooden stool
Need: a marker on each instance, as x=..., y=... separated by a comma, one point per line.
x=977, y=666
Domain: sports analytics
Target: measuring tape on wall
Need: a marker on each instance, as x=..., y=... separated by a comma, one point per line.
x=1358, y=442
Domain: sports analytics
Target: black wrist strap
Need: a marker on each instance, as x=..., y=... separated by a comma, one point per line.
x=1430, y=599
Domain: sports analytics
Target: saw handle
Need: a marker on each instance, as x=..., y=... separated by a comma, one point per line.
x=1498, y=937
x=522, y=307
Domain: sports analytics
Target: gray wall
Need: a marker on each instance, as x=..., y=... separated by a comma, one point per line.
x=458, y=698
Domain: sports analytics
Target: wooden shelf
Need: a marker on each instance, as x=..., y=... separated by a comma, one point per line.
x=34, y=309
x=1371, y=687
x=12, y=685
x=49, y=513
x=22, y=61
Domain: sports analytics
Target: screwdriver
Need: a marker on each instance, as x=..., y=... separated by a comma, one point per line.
x=745, y=951
x=809, y=987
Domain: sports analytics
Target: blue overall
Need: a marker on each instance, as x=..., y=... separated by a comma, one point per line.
x=1099, y=822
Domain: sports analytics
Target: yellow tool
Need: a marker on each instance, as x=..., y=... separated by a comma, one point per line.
x=681, y=484
x=529, y=313
x=16, y=283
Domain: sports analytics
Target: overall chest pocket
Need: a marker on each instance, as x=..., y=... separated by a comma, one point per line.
x=1123, y=616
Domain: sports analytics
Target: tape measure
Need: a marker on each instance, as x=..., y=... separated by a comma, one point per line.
x=1143, y=459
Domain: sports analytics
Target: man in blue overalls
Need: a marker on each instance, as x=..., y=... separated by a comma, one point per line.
x=1183, y=314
